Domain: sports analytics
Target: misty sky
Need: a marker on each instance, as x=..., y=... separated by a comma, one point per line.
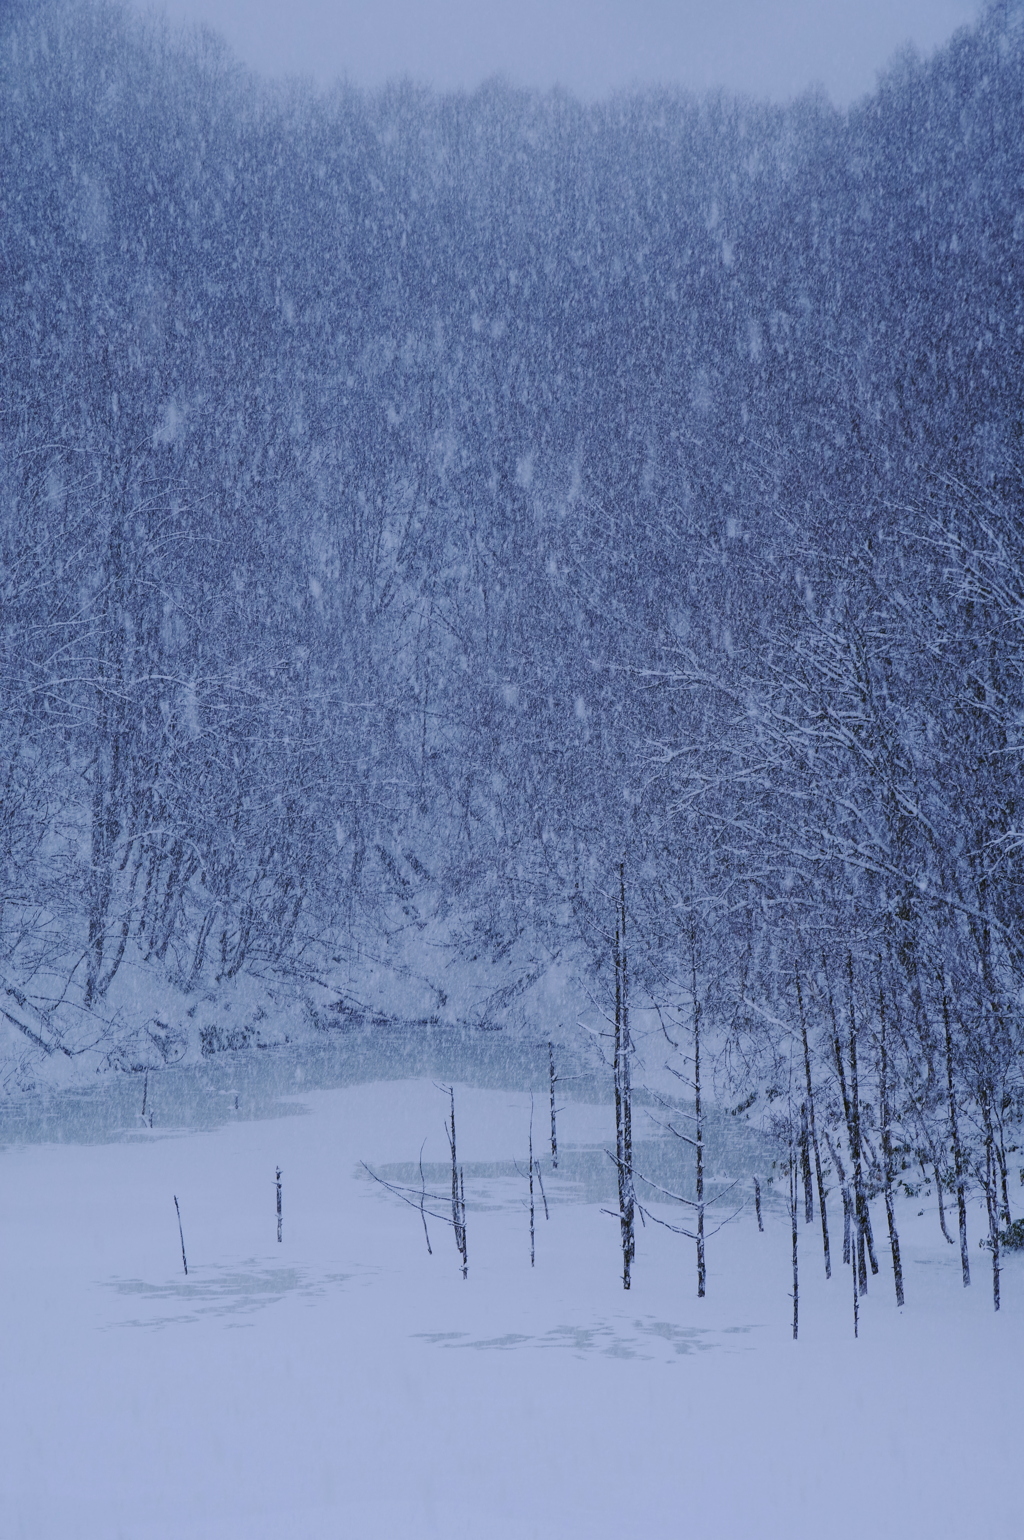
x=769, y=47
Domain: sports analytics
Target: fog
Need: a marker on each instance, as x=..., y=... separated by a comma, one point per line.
x=774, y=48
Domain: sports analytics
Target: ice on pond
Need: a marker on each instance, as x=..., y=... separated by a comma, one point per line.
x=610, y=1338
x=222, y=1291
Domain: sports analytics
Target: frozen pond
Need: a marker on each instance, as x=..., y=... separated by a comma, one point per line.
x=320, y=1385
x=232, y=1087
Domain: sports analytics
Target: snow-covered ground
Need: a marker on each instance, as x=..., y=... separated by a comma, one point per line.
x=347, y=1384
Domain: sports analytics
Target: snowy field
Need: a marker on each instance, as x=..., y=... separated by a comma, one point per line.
x=344, y=1383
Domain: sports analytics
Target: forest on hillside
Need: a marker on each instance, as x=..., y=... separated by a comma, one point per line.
x=444, y=534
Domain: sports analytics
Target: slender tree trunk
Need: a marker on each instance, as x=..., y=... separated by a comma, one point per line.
x=181, y=1237
x=277, y=1183
x=699, y=1119
x=814, y=1134
x=887, y=1158
x=101, y=985
x=894, y=1242
x=991, y=1187
x=847, y=1201
x=532, y=1215
x=104, y=831
x=852, y=1234
x=152, y=862
x=462, y=1221
x=805, y=1164
x=958, y=1154
x=199, y=954
x=795, y=1235
x=623, y=1091
x=458, y=1192
x=552, y=1077
x=423, y=1204
x=942, y=1206
x=992, y=1205
x=865, y=1239
x=757, y=1204
x=1001, y=1155
x=109, y=766
x=999, y=1151
x=543, y=1194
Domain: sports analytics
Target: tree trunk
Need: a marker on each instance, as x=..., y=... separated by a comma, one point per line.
x=942, y=1206
x=423, y=1202
x=532, y=1215
x=887, y=1160
x=814, y=1134
x=699, y=1117
x=805, y=1164
x=795, y=1234
x=181, y=1237
x=847, y=1203
x=623, y=1091
x=992, y=1204
x=458, y=1192
x=865, y=1239
x=958, y=1154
